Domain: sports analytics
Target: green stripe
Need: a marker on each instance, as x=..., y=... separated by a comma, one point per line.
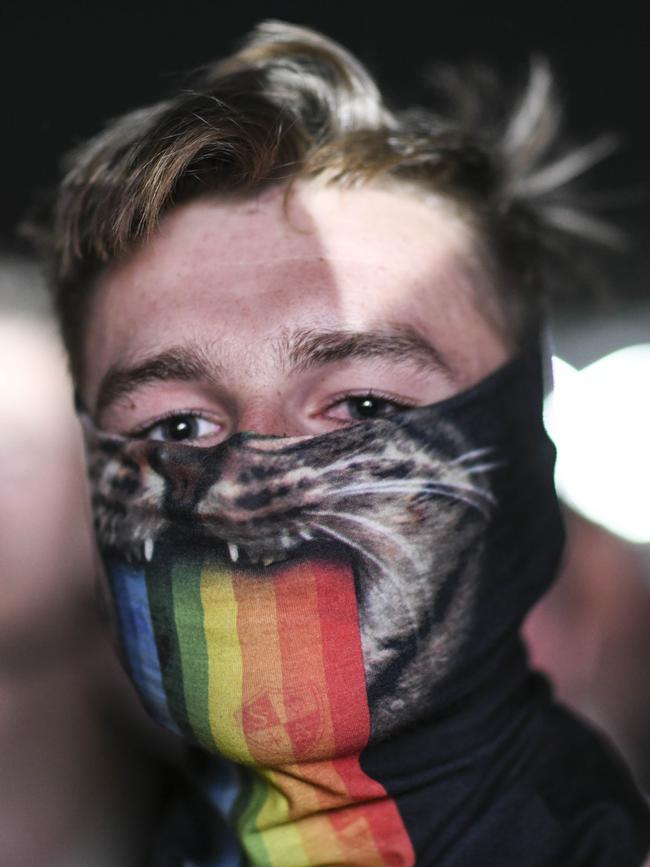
x=252, y=797
x=161, y=603
x=189, y=617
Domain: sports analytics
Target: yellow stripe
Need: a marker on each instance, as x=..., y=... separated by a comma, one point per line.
x=281, y=839
x=224, y=664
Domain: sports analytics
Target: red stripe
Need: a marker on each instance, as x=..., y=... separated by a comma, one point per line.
x=345, y=673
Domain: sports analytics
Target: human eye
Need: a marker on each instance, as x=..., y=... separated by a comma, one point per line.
x=366, y=405
x=181, y=427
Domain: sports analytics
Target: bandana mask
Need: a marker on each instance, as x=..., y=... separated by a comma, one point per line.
x=337, y=615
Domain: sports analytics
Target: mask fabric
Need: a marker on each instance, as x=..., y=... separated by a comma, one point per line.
x=337, y=616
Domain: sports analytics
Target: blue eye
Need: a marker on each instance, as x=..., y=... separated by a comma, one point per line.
x=178, y=428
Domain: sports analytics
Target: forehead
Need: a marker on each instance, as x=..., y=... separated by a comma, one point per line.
x=375, y=226
x=236, y=271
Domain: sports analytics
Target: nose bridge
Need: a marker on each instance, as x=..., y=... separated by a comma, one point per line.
x=268, y=416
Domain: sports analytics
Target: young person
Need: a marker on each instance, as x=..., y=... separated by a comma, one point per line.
x=305, y=333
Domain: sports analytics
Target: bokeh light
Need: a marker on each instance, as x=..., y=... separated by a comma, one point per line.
x=599, y=418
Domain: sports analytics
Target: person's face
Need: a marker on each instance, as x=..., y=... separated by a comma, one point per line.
x=239, y=315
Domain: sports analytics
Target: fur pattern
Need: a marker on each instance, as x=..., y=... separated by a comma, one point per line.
x=408, y=507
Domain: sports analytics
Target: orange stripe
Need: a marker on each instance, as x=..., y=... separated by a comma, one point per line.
x=303, y=675
x=262, y=700
x=313, y=786
x=262, y=713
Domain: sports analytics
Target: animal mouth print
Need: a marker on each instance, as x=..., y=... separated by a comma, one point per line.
x=404, y=510
x=335, y=619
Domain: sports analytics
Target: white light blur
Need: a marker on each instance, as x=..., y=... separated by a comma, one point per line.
x=599, y=418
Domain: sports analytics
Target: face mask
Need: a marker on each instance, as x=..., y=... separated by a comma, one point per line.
x=336, y=614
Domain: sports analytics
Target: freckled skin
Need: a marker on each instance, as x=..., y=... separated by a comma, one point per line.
x=232, y=276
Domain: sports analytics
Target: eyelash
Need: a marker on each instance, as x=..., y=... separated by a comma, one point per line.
x=400, y=403
x=143, y=430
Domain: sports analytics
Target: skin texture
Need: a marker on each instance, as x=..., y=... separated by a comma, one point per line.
x=237, y=283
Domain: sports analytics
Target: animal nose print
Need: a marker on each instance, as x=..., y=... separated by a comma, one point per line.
x=185, y=478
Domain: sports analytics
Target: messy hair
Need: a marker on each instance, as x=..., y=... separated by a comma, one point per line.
x=292, y=104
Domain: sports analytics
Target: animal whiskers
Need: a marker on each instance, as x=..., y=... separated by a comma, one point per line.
x=352, y=543
x=470, y=495
x=471, y=455
x=409, y=513
x=382, y=565
x=470, y=461
x=384, y=531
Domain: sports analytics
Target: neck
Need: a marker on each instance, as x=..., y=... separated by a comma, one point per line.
x=386, y=803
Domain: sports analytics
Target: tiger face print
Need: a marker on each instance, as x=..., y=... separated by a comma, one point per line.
x=406, y=507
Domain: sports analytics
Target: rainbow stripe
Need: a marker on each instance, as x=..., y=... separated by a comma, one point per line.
x=268, y=670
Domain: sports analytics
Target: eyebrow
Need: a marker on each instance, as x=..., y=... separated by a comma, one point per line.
x=298, y=351
x=308, y=348
x=183, y=363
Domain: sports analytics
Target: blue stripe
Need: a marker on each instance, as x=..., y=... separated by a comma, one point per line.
x=134, y=618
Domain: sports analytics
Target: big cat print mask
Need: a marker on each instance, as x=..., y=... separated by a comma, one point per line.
x=320, y=610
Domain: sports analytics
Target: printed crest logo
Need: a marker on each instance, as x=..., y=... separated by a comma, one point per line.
x=282, y=722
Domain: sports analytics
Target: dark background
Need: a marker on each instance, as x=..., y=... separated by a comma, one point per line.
x=67, y=67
